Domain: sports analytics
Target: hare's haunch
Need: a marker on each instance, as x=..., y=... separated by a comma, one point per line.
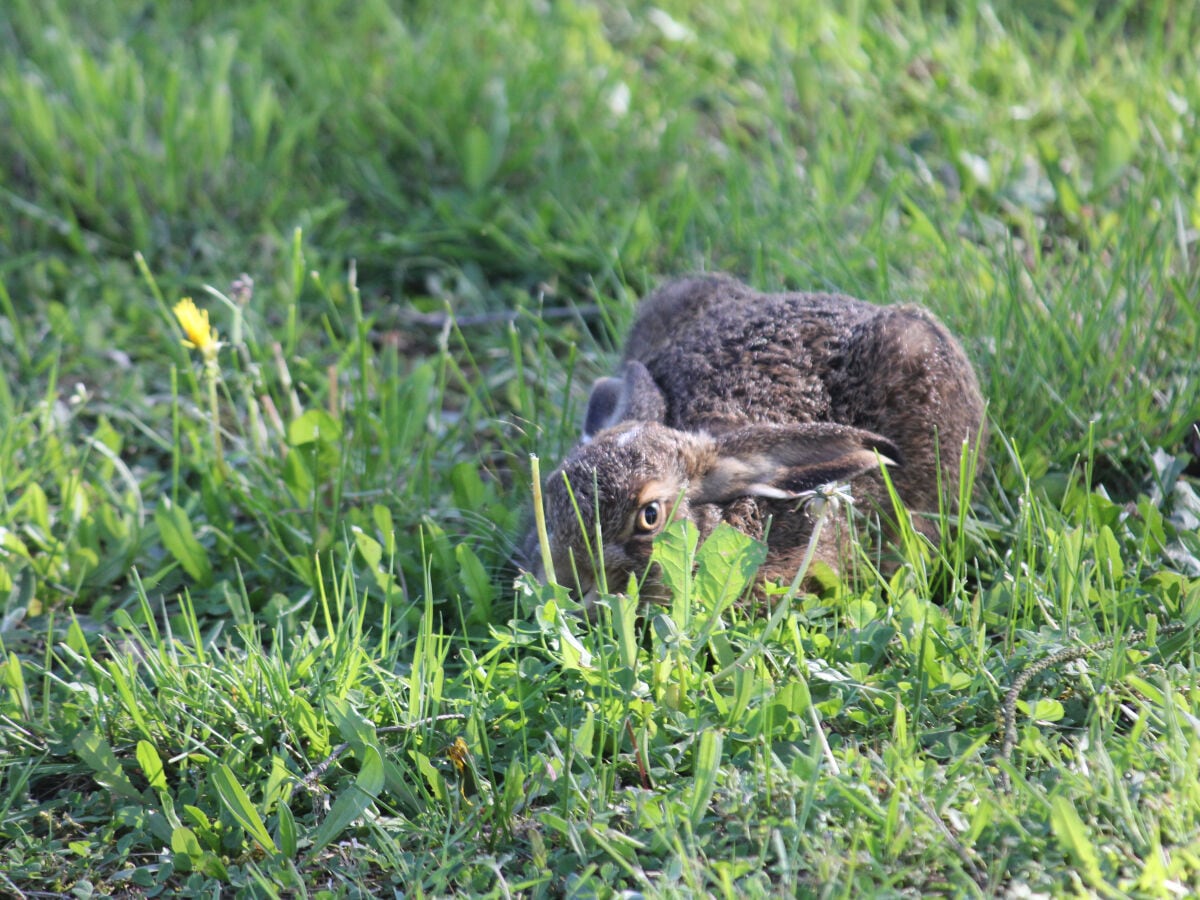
x=731, y=403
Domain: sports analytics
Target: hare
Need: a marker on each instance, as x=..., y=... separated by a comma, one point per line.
x=730, y=404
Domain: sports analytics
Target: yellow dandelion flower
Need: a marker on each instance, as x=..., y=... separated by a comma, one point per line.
x=200, y=335
x=459, y=754
x=194, y=322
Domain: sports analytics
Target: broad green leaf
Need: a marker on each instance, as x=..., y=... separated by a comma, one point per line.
x=707, y=766
x=35, y=506
x=15, y=679
x=280, y=783
x=372, y=552
x=298, y=478
x=572, y=652
x=480, y=587
x=286, y=831
x=1151, y=691
x=78, y=641
x=675, y=552
x=237, y=802
x=438, y=545
x=106, y=768
x=212, y=866
x=513, y=795
x=1046, y=709
x=351, y=805
x=160, y=824
x=203, y=824
x=726, y=565
x=152, y=766
x=319, y=433
x=354, y=728
x=795, y=697
x=314, y=427
x=469, y=490
x=184, y=840
x=1108, y=556
x=311, y=725
x=175, y=530
x=861, y=612
x=384, y=522
x=783, y=714
x=584, y=734
x=13, y=546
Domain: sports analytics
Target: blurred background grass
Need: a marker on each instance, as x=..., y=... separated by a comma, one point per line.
x=444, y=214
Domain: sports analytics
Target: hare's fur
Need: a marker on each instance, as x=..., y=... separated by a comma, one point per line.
x=731, y=403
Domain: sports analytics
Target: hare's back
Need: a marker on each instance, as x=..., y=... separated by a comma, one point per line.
x=723, y=354
x=688, y=310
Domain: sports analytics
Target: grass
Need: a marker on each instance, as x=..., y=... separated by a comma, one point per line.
x=268, y=643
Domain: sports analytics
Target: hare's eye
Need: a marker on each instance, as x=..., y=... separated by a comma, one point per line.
x=649, y=517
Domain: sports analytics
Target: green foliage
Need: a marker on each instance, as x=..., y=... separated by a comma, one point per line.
x=258, y=628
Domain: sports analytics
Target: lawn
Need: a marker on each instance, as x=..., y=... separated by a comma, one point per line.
x=260, y=635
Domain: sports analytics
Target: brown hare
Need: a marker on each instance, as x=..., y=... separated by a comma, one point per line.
x=730, y=404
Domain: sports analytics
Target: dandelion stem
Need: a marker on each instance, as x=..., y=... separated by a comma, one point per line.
x=212, y=372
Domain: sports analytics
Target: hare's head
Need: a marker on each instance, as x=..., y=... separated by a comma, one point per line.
x=610, y=498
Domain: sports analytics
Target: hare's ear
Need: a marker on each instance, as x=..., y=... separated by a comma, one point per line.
x=632, y=397
x=782, y=461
